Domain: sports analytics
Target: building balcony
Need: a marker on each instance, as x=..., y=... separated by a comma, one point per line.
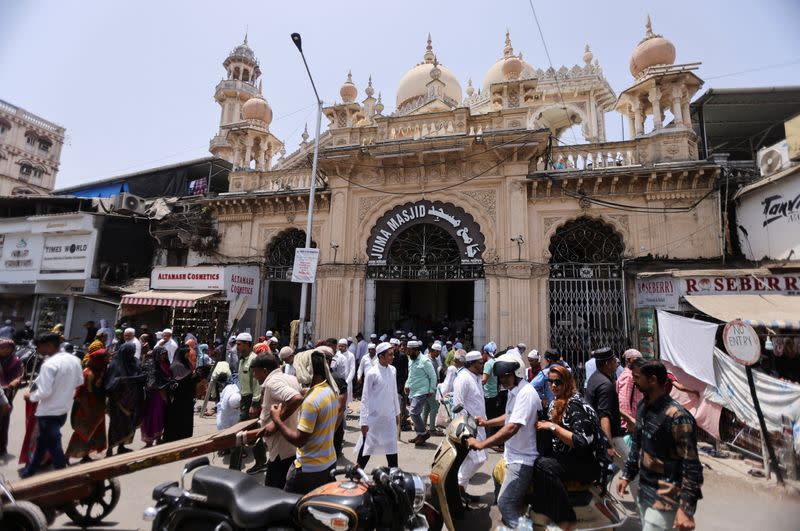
x=232, y=86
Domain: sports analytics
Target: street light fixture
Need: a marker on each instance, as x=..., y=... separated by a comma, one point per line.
x=298, y=41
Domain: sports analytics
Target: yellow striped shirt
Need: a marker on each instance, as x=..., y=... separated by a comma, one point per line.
x=318, y=415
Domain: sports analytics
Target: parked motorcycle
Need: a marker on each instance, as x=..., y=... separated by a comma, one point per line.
x=594, y=506
x=221, y=499
x=31, y=361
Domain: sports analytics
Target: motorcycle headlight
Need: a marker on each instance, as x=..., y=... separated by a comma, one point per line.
x=419, y=492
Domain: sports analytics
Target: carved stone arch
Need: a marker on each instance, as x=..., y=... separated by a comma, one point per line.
x=488, y=225
x=554, y=112
x=279, y=251
x=615, y=224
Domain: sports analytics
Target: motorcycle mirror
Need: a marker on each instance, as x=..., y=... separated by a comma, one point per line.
x=458, y=409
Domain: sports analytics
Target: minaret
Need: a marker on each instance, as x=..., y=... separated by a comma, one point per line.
x=242, y=73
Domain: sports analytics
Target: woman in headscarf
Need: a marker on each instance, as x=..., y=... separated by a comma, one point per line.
x=180, y=406
x=123, y=385
x=191, y=344
x=98, y=344
x=10, y=377
x=147, y=344
x=156, y=371
x=202, y=370
x=88, y=416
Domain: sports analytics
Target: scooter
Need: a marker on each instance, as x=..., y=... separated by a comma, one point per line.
x=595, y=508
x=221, y=499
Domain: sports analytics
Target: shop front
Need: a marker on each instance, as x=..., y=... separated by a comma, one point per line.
x=208, y=301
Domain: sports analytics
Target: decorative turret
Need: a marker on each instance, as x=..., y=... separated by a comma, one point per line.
x=348, y=92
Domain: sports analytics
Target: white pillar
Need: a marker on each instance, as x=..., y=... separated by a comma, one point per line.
x=479, y=314
x=638, y=118
x=677, y=112
x=68, y=318
x=369, y=307
x=655, y=100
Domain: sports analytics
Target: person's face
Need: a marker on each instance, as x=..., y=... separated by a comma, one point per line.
x=260, y=373
x=485, y=356
x=329, y=359
x=556, y=383
x=412, y=353
x=507, y=380
x=242, y=347
x=372, y=352
x=641, y=382
x=290, y=359
x=166, y=336
x=6, y=351
x=341, y=348
x=476, y=367
x=387, y=358
x=128, y=336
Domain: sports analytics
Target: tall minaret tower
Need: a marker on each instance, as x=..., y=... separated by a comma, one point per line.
x=243, y=138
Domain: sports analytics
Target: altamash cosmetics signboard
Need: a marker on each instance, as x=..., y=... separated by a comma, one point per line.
x=234, y=280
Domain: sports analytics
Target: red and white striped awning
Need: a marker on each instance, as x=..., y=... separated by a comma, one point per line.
x=176, y=299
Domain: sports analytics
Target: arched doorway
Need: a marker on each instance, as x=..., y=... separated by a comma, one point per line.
x=426, y=271
x=586, y=291
x=281, y=295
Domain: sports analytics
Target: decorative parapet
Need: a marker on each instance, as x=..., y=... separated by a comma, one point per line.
x=282, y=181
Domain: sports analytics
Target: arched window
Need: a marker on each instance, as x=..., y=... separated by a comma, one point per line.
x=22, y=191
x=236, y=73
x=38, y=172
x=280, y=253
x=25, y=169
x=246, y=75
x=45, y=145
x=31, y=138
x=424, y=244
x=586, y=240
x=4, y=126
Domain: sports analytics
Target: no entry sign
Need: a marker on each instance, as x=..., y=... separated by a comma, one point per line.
x=742, y=342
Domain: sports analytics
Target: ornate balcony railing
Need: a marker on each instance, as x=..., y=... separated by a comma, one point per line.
x=425, y=272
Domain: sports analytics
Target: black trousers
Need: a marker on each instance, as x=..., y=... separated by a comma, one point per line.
x=549, y=475
x=391, y=459
x=338, y=438
x=299, y=482
x=277, y=469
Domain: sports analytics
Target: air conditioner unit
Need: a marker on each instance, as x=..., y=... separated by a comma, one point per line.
x=129, y=204
x=773, y=158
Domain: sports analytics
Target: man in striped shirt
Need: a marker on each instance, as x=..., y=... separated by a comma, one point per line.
x=313, y=437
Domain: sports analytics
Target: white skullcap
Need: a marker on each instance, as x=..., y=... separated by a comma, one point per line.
x=159, y=335
x=130, y=331
x=272, y=340
x=383, y=347
x=460, y=355
x=269, y=333
x=285, y=353
x=436, y=346
x=394, y=341
x=342, y=341
x=349, y=339
x=533, y=354
x=631, y=354
x=244, y=336
x=167, y=331
x=373, y=336
x=523, y=346
x=398, y=332
x=370, y=345
x=235, y=400
x=414, y=344
x=473, y=356
x=383, y=337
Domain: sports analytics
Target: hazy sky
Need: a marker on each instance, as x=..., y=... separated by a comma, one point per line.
x=133, y=82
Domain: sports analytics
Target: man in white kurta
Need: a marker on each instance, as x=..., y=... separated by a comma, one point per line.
x=380, y=410
x=367, y=361
x=468, y=392
x=350, y=368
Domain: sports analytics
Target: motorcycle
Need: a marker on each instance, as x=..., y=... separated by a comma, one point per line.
x=31, y=361
x=594, y=506
x=221, y=499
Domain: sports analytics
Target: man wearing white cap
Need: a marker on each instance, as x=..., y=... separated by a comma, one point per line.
x=535, y=366
x=350, y=368
x=468, y=393
x=339, y=362
x=168, y=343
x=286, y=355
x=380, y=410
x=368, y=361
x=129, y=335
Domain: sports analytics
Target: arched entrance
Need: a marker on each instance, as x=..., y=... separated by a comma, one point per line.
x=586, y=291
x=281, y=295
x=426, y=271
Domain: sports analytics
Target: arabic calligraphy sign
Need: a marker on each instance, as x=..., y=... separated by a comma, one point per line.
x=455, y=220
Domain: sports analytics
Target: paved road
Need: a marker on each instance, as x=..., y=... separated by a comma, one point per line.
x=731, y=499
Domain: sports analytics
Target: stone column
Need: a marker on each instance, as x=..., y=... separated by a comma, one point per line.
x=248, y=152
x=631, y=124
x=654, y=95
x=638, y=118
x=478, y=312
x=687, y=117
x=677, y=112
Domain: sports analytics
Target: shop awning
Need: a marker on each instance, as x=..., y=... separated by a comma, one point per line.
x=774, y=311
x=176, y=299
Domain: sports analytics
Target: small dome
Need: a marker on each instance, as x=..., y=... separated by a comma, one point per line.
x=651, y=51
x=257, y=108
x=512, y=68
x=496, y=74
x=415, y=82
x=348, y=92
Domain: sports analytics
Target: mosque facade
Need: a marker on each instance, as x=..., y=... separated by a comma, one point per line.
x=472, y=208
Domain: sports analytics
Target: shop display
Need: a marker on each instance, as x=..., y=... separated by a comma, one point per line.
x=207, y=319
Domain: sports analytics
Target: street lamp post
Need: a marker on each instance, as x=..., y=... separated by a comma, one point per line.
x=311, y=190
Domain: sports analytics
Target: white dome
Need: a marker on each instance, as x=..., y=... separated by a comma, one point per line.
x=257, y=108
x=415, y=82
x=495, y=72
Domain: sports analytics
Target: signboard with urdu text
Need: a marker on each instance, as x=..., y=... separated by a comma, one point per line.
x=305, y=265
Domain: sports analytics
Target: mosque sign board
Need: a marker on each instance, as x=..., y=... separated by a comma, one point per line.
x=458, y=223
x=304, y=269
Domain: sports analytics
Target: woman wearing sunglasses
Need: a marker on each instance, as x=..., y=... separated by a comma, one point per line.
x=573, y=426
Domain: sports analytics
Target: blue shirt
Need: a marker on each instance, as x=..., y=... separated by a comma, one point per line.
x=540, y=383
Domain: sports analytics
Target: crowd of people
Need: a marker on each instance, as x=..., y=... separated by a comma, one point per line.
x=527, y=406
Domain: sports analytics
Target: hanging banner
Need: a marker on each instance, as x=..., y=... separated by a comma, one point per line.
x=305, y=265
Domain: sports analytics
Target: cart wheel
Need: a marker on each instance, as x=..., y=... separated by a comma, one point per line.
x=22, y=516
x=99, y=504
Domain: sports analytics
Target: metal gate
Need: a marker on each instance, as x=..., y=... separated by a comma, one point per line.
x=587, y=311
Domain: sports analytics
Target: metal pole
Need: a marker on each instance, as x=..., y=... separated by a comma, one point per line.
x=311, y=191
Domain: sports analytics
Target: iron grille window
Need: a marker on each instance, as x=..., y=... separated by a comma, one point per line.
x=586, y=240
x=280, y=253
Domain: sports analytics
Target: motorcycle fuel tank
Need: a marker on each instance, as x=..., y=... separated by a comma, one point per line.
x=343, y=506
